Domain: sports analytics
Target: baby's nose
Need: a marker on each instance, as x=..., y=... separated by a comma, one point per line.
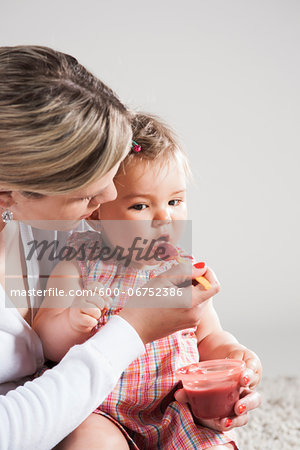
x=160, y=222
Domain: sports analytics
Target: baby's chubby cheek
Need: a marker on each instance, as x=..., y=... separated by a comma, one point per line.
x=118, y=232
x=129, y=234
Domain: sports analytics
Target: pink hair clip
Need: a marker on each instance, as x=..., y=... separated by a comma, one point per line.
x=136, y=147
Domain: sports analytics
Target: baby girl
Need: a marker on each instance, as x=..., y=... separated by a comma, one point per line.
x=142, y=412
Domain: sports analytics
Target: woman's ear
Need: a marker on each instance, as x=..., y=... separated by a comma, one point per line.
x=5, y=199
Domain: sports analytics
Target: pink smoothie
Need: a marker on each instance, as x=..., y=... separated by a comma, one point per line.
x=212, y=387
x=214, y=402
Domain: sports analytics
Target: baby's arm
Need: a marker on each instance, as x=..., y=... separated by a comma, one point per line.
x=63, y=321
x=213, y=341
x=216, y=343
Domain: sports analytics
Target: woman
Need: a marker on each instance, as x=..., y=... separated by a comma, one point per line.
x=63, y=134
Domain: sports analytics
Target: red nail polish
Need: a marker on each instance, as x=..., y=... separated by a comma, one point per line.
x=242, y=408
x=228, y=422
x=199, y=265
x=246, y=380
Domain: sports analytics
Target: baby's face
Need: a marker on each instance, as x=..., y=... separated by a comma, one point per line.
x=152, y=201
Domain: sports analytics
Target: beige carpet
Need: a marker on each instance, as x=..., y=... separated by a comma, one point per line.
x=276, y=424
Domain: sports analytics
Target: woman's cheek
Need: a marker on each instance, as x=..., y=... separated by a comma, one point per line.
x=73, y=212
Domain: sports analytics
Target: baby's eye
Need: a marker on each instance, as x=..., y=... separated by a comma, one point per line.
x=86, y=198
x=175, y=202
x=139, y=207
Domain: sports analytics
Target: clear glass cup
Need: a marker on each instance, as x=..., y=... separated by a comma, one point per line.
x=212, y=387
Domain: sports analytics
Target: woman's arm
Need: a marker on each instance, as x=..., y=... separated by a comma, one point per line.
x=55, y=321
x=41, y=413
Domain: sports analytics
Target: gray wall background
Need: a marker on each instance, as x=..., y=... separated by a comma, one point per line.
x=225, y=74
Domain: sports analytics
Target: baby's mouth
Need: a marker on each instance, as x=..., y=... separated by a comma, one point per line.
x=160, y=241
x=163, y=238
x=164, y=250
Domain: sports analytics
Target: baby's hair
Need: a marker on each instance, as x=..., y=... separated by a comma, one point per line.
x=158, y=142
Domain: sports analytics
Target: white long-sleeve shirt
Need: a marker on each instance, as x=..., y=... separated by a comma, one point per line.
x=40, y=413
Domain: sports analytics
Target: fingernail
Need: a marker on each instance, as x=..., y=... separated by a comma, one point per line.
x=228, y=422
x=242, y=408
x=199, y=265
x=246, y=380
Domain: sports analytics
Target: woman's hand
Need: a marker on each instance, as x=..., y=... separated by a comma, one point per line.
x=155, y=316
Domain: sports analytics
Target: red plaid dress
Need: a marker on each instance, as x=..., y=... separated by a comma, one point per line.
x=142, y=404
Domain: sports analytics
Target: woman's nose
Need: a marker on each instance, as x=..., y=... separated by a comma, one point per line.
x=108, y=195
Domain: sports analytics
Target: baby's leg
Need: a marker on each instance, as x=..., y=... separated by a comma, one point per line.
x=96, y=432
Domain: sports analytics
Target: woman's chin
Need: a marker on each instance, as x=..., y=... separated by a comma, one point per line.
x=59, y=225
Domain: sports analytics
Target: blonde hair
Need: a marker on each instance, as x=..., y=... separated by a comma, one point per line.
x=60, y=127
x=158, y=143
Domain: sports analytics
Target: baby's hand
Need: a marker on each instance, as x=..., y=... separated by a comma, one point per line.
x=85, y=311
x=249, y=399
x=251, y=376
